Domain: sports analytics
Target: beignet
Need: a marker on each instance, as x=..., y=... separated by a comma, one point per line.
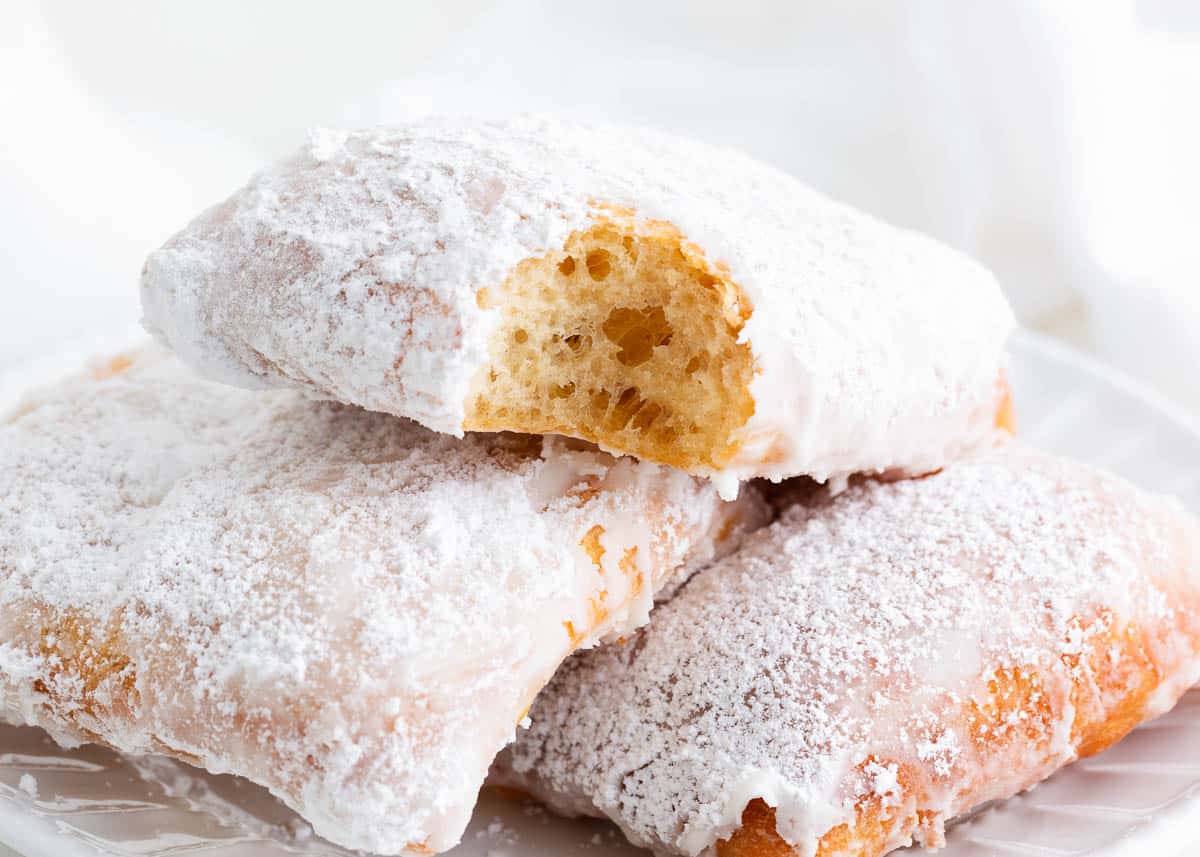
x=665, y=298
x=870, y=666
x=343, y=606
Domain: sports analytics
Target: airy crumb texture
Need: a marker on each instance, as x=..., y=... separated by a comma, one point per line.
x=343, y=606
x=625, y=337
x=870, y=666
x=711, y=311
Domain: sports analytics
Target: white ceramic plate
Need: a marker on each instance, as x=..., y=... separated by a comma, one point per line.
x=1142, y=797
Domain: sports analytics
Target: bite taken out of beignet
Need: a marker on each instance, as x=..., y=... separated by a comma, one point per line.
x=661, y=297
x=343, y=606
x=872, y=665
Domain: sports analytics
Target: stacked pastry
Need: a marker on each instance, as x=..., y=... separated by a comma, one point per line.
x=448, y=402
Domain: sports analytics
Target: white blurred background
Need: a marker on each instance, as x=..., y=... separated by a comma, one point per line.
x=1056, y=140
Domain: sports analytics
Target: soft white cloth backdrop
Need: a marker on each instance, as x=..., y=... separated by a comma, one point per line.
x=1056, y=140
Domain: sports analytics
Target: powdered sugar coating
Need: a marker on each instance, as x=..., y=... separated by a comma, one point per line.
x=840, y=652
x=351, y=269
x=343, y=606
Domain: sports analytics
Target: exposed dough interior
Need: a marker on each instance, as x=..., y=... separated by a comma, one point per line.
x=626, y=337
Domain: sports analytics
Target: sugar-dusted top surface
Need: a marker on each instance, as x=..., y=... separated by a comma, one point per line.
x=351, y=269
x=843, y=633
x=344, y=606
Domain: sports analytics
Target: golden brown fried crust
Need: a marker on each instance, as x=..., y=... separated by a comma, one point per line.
x=86, y=656
x=1112, y=679
x=1006, y=416
x=112, y=367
